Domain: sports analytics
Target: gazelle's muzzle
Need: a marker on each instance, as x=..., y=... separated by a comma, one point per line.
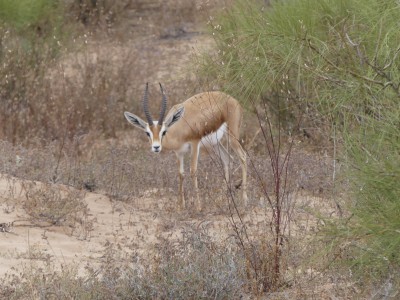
x=156, y=147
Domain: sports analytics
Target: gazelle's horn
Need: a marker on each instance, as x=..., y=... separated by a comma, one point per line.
x=145, y=105
x=163, y=106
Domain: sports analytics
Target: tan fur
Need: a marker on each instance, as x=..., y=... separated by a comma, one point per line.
x=204, y=114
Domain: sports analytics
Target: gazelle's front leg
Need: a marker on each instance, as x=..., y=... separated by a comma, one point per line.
x=193, y=169
x=180, y=157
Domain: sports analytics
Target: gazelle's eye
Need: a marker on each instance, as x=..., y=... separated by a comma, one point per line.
x=164, y=132
x=148, y=134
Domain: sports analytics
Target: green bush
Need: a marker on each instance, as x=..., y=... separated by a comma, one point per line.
x=318, y=60
x=337, y=55
x=373, y=232
x=25, y=13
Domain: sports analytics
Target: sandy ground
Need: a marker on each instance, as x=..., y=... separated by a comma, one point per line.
x=137, y=225
x=134, y=227
x=28, y=239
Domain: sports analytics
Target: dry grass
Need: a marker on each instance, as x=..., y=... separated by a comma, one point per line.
x=196, y=267
x=47, y=203
x=117, y=170
x=81, y=83
x=63, y=126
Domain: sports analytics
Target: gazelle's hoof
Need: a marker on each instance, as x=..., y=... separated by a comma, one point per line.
x=181, y=205
x=197, y=202
x=238, y=184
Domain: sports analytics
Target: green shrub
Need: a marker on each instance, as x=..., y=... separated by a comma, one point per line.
x=327, y=54
x=373, y=232
x=319, y=60
x=25, y=13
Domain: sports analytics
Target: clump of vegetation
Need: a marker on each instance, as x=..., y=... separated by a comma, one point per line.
x=333, y=65
x=25, y=13
x=196, y=267
x=54, y=86
x=32, y=35
x=47, y=203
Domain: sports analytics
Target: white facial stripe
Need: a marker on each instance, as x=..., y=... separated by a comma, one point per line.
x=155, y=144
x=162, y=130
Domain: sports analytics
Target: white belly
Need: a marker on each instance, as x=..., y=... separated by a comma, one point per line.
x=185, y=148
x=208, y=141
x=215, y=137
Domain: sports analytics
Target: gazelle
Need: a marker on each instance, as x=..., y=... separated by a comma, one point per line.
x=200, y=121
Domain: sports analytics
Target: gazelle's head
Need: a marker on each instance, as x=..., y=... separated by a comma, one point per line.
x=155, y=130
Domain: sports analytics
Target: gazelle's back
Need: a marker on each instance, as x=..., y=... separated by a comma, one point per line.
x=206, y=113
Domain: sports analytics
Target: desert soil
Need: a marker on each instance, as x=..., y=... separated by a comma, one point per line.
x=137, y=226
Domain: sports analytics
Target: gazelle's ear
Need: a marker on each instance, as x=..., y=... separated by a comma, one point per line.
x=135, y=120
x=175, y=117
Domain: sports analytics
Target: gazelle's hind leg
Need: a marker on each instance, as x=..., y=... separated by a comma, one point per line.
x=193, y=170
x=234, y=122
x=222, y=153
x=234, y=143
